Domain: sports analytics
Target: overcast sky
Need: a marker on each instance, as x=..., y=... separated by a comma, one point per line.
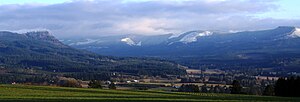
x=69, y=18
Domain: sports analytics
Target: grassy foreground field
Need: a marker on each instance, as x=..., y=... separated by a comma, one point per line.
x=23, y=93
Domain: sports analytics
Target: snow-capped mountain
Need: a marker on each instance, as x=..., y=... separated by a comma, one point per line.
x=130, y=42
x=120, y=41
x=87, y=41
x=193, y=43
x=263, y=48
x=138, y=40
x=188, y=37
x=192, y=37
x=295, y=33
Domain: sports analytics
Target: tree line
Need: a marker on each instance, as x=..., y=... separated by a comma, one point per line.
x=287, y=87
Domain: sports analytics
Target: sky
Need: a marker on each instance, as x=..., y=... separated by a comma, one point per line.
x=84, y=18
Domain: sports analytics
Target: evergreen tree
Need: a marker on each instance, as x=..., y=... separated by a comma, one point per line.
x=217, y=89
x=236, y=87
x=204, y=88
x=269, y=91
x=288, y=87
x=211, y=89
x=280, y=87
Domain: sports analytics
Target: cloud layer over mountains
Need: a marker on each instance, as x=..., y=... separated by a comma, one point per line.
x=107, y=17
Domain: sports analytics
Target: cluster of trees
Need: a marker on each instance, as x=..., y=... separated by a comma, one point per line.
x=95, y=84
x=214, y=89
x=23, y=78
x=288, y=87
x=236, y=88
x=98, y=84
x=69, y=82
x=203, y=89
x=189, y=88
x=269, y=91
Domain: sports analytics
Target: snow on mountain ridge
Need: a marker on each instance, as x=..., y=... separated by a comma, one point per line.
x=192, y=37
x=295, y=33
x=88, y=41
x=174, y=36
x=24, y=31
x=130, y=42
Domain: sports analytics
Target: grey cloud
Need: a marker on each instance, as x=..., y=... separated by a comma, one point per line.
x=104, y=17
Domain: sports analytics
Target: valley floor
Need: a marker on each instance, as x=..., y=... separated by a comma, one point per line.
x=24, y=93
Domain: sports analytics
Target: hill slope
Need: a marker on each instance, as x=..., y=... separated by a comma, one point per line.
x=40, y=53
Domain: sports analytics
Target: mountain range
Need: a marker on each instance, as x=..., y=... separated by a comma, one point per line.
x=277, y=47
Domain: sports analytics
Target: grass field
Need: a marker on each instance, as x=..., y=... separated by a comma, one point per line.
x=24, y=93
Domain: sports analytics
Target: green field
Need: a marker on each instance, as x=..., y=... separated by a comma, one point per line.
x=23, y=93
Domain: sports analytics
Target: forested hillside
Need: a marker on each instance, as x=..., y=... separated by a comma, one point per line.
x=40, y=54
